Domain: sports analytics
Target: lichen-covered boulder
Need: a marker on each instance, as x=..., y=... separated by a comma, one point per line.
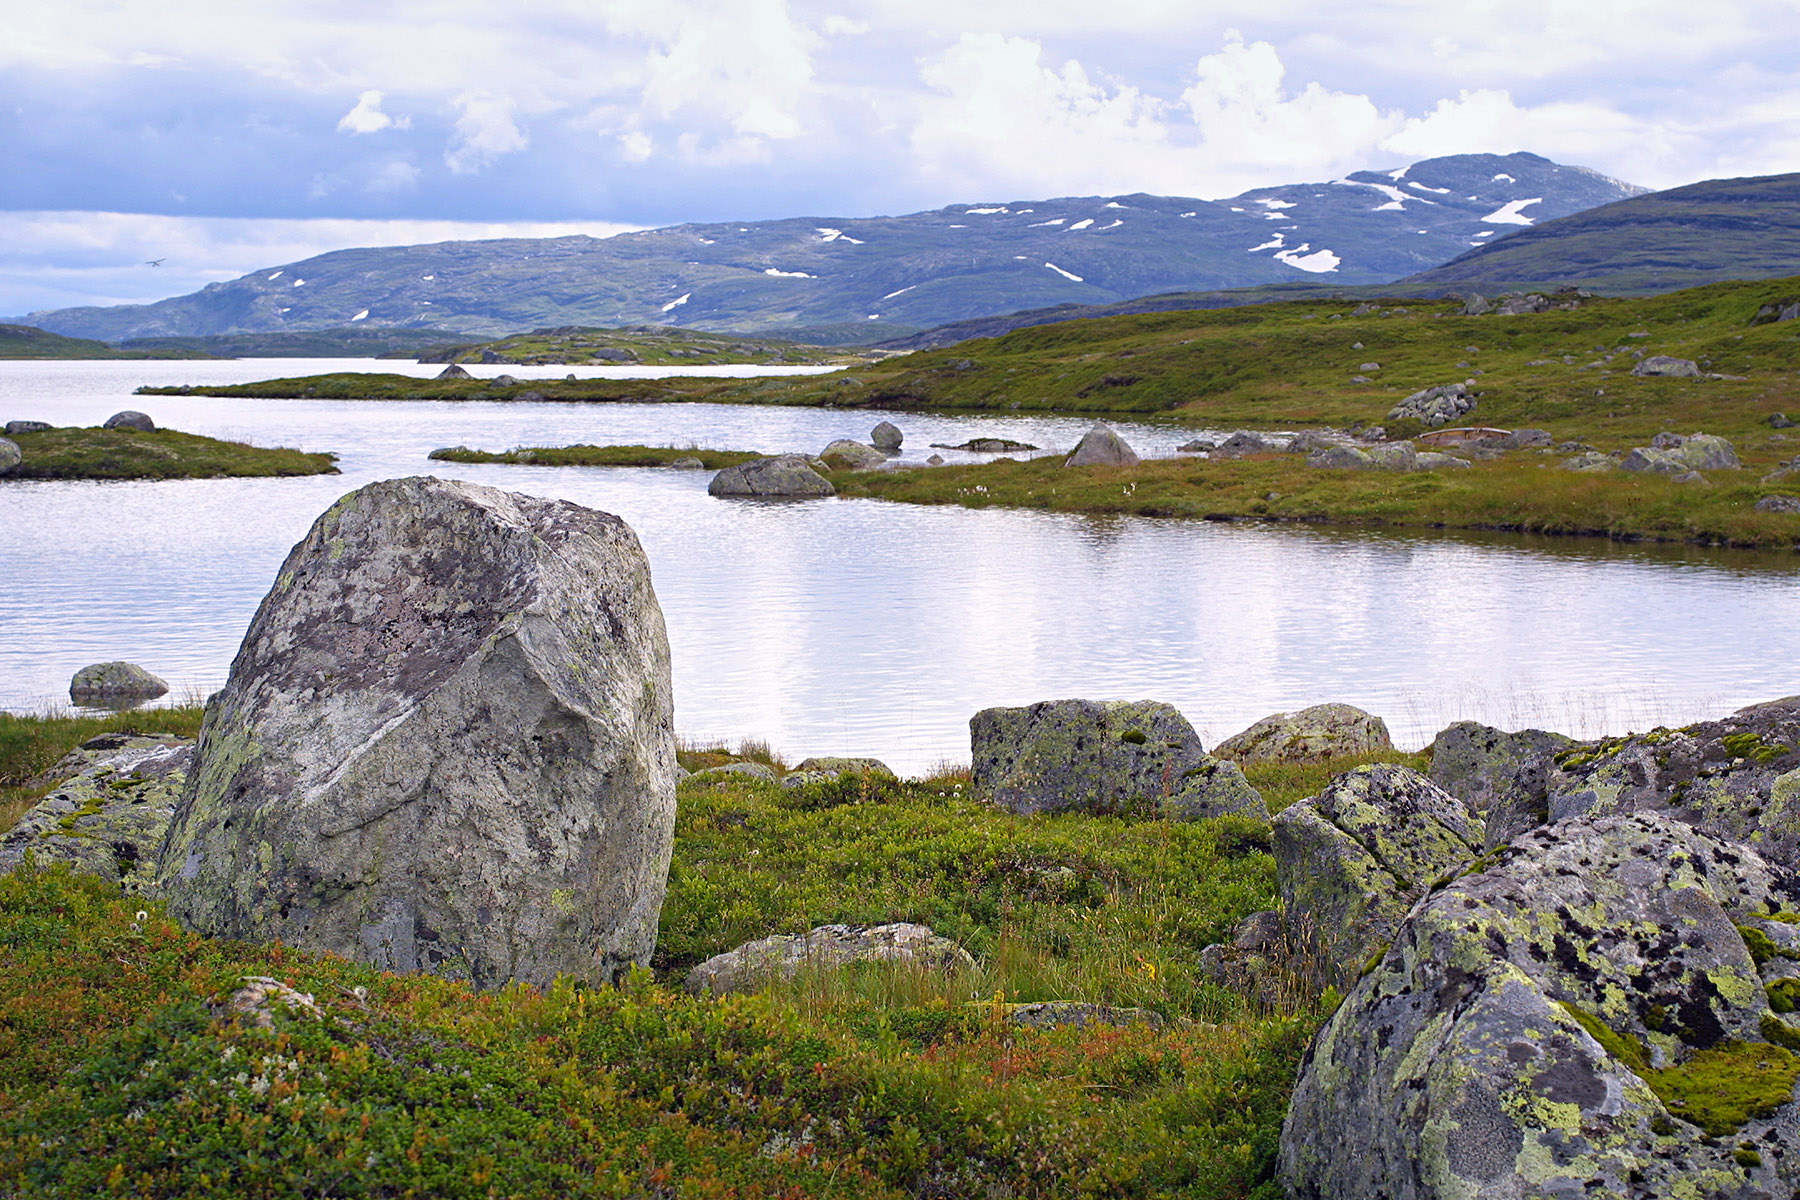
x=1590, y=460
x=1737, y=778
x=445, y=744
x=17, y=427
x=1103, y=756
x=130, y=419
x=1322, y=731
x=734, y=772
x=1435, y=405
x=826, y=768
x=1503, y=777
x=1101, y=447
x=1674, y=454
x=852, y=454
x=755, y=965
x=1393, y=456
x=1664, y=366
x=785, y=475
x=1340, y=458
x=10, y=456
x=110, y=811
x=1353, y=859
x=1581, y=1018
x=886, y=437
x=101, y=682
x=1778, y=503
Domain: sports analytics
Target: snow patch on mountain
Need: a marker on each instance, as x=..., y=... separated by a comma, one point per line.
x=1063, y=273
x=1318, y=262
x=678, y=301
x=1510, y=214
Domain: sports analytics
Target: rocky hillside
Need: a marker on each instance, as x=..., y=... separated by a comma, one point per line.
x=855, y=280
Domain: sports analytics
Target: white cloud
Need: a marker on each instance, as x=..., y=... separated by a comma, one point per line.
x=636, y=145
x=484, y=132
x=367, y=116
x=840, y=26
x=747, y=65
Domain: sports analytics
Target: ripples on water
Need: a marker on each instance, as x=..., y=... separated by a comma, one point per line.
x=857, y=627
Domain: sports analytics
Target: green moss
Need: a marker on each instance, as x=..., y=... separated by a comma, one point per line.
x=1627, y=1050
x=1784, y=995
x=1134, y=736
x=1761, y=946
x=1751, y=746
x=1776, y=1030
x=1723, y=1088
x=1746, y=1158
x=1786, y=918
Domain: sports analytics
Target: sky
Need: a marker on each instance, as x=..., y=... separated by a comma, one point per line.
x=221, y=136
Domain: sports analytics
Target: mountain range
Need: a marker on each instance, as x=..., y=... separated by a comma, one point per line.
x=863, y=279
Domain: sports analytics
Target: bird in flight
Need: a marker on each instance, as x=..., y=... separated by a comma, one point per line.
x=155, y=262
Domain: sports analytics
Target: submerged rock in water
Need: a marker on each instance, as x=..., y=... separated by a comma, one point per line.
x=445, y=745
x=784, y=476
x=101, y=682
x=1111, y=756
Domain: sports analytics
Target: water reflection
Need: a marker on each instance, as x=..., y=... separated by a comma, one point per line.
x=858, y=627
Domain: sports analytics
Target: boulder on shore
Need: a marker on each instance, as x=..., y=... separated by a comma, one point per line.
x=852, y=454
x=130, y=419
x=445, y=744
x=18, y=427
x=1101, y=447
x=756, y=964
x=10, y=456
x=783, y=476
x=1503, y=777
x=1103, y=757
x=1584, y=1017
x=1322, y=731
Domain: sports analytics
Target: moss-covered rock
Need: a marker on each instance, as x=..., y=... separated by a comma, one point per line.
x=111, y=810
x=1352, y=860
x=1582, y=1017
x=1737, y=779
x=1322, y=731
x=1103, y=757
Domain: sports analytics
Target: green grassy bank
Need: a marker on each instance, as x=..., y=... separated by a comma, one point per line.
x=96, y=453
x=123, y=1069
x=596, y=456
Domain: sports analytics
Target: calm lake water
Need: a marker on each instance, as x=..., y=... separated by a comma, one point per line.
x=856, y=627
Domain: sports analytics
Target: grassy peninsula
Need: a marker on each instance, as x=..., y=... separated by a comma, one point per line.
x=596, y=456
x=95, y=453
x=28, y=341
x=120, y=1064
x=646, y=345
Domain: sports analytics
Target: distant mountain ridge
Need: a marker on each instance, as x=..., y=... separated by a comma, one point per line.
x=868, y=278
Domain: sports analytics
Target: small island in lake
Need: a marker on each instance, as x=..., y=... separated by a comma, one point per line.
x=125, y=452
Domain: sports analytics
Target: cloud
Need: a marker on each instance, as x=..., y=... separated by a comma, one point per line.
x=747, y=65
x=484, y=132
x=1568, y=131
x=367, y=116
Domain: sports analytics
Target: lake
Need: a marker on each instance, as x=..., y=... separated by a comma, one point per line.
x=860, y=627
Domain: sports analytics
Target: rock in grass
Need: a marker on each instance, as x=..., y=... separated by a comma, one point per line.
x=1340, y=458
x=1242, y=444
x=1322, y=731
x=1664, y=366
x=1582, y=1018
x=688, y=463
x=1434, y=405
x=1101, y=447
x=1673, y=454
x=1503, y=777
x=10, y=456
x=1736, y=778
x=99, y=683
x=111, y=810
x=784, y=476
x=1431, y=460
x=1351, y=860
x=854, y=455
x=1778, y=504
x=454, y=371
x=886, y=437
x=445, y=745
x=732, y=771
x=1103, y=757
x=130, y=419
x=755, y=965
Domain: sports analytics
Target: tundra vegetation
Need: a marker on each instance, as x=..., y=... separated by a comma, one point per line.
x=597, y=456
x=96, y=453
x=124, y=1065
x=1294, y=365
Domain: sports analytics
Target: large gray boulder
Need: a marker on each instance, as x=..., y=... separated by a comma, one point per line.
x=1434, y=405
x=783, y=476
x=1664, y=366
x=1736, y=778
x=1242, y=444
x=10, y=456
x=1101, y=447
x=99, y=683
x=886, y=437
x=1352, y=860
x=110, y=811
x=852, y=454
x=445, y=744
x=1575, y=1020
x=1103, y=756
x=755, y=965
x=1674, y=454
x=18, y=427
x=130, y=419
x=1503, y=777
x=1322, y=731
x=454, y=371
